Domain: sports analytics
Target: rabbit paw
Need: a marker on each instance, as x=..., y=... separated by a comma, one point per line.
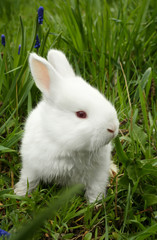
x=113, y=170
x=20, y=189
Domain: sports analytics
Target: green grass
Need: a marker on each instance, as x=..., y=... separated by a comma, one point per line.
x=112, y=44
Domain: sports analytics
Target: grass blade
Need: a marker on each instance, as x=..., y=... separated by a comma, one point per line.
x=28, y=231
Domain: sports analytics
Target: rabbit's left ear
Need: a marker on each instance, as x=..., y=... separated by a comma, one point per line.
x=59, y=61
x=43, y=73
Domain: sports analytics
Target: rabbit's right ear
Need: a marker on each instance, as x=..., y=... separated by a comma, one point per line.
x=59, y=61
x=43, y=73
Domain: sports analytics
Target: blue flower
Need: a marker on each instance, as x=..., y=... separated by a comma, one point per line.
x=4, y=233
x=40, y=15
x=3, y=39
x=19, y=49
x=37, y=43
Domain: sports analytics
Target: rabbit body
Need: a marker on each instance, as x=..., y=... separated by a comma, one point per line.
x=67, y=136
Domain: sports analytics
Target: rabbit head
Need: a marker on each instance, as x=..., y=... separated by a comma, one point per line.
x=75, y=116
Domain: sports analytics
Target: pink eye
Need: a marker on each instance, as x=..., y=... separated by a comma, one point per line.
x=81, y=114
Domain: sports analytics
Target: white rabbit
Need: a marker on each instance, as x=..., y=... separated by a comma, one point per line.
x=67, y=136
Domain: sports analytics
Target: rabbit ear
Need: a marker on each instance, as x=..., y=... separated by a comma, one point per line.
x=59, y=61
x=43, y=73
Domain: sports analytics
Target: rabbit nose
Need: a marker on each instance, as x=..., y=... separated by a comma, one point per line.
x=110, y=130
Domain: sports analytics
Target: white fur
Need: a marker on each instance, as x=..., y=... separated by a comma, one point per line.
x=59, y=146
